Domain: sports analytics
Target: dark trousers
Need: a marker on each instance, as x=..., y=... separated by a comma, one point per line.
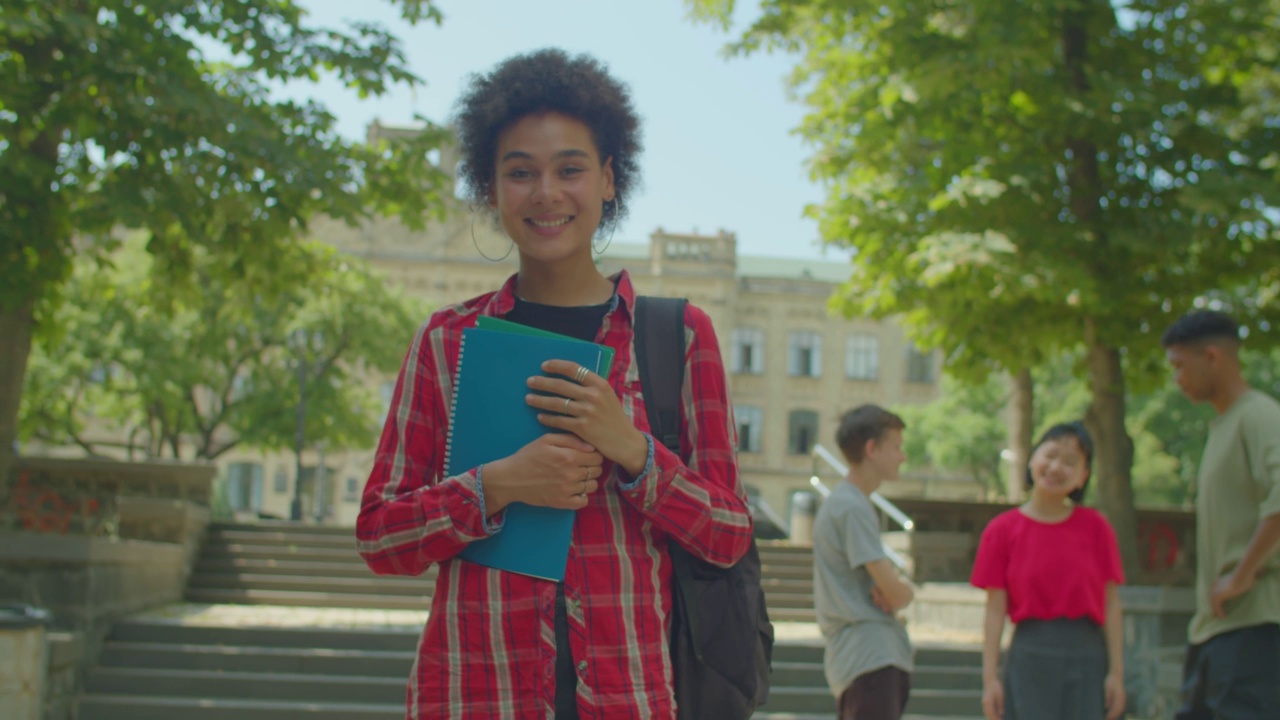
x=1056, y=670
x=1233, y=676
x=566, y=677
x=878, y=695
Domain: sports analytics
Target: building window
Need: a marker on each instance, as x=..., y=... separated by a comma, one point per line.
x=244, y=486
x=806, y=354
x=387, y=390
x=281, y=482
x=353, y=489
x=862, y=357
x=748, y=351
x=919, y=365
x=750, y=421
x=802, y=431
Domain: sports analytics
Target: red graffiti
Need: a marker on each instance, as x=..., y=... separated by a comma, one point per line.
x=1161, y=545
x=46, y=510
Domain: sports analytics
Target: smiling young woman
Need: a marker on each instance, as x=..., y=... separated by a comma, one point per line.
x=1052, y=567
x=548, y=146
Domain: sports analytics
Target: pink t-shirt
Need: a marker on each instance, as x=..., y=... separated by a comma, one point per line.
x=1050, y=570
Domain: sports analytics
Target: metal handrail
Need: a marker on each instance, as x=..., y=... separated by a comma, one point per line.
x=888, y=508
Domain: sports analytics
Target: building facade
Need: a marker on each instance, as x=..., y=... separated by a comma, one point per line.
x=792, y=365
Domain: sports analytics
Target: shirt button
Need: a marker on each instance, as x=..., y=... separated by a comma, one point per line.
x=582, y=666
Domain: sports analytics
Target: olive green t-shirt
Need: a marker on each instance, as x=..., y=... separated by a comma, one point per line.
x=1239, y=484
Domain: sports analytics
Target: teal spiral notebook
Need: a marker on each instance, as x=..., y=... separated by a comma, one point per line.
x=490, y=420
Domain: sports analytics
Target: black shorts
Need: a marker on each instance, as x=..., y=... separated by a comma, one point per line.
x=1233, y=676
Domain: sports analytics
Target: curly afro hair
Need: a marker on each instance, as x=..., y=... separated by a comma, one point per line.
x=548, y=81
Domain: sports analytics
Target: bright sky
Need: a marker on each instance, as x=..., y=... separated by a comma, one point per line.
x=719, y=151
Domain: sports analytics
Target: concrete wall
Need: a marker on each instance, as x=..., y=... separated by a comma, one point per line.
x=92, y=541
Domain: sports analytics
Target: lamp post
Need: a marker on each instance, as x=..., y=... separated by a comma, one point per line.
x=298, y=342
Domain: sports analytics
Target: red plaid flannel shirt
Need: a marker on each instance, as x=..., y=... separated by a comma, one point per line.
x=488, y=649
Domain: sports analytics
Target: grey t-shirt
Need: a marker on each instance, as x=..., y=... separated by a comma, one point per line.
x=860, y=637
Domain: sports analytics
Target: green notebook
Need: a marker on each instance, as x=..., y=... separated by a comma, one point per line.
x=496, y=323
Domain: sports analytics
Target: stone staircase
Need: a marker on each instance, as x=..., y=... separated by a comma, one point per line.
x=310, y=566
x=168, y=667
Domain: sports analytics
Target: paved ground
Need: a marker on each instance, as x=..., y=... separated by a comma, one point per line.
x=201, y=614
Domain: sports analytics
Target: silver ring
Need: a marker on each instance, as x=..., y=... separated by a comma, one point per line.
x=580, y=374
x=565, y=411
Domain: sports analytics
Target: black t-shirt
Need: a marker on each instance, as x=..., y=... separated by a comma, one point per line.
x=581, y=322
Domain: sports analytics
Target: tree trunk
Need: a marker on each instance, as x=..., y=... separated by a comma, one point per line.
x=1021, y=426
x=15, y=345
x=1113, y=448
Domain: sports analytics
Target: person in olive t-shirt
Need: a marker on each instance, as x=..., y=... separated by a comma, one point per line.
x=1233, y=664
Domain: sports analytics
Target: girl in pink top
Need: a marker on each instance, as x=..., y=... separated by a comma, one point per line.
x=1053, y=567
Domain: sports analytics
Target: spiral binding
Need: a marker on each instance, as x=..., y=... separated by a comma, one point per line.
x=453, y=404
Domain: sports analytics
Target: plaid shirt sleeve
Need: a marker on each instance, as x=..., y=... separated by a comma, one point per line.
x=699, y=502
x=410, y=517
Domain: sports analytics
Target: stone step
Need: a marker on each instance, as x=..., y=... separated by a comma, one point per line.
x=118, y=707
x=158, y=632
x=788, y=614
x=138, y=707
x=243, y=596
x=302, y=537
x=775, y=578
x=223, y=658
x=812, y=696
x=217, y=551
x=260, y=566
x=222, y=551
x=276, y=686
x=373, y=584
x=288, y=566
x=938, y=677
x=404, y=639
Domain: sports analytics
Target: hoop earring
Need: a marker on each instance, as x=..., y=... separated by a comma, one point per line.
x=477, y=244
x=600, y=250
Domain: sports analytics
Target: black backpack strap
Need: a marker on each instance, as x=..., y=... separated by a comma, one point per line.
x=659, y=344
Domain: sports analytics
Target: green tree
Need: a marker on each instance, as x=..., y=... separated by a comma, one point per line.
x=158, y=115
x=1098, y=167
x=961, y=431
x=129, y=362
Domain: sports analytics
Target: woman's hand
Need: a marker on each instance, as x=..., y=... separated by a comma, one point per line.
x=1113, y=689
x=584, y=404
x=557, y=470
x=993, y=699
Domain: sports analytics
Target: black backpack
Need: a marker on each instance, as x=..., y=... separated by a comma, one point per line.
x=721, y=637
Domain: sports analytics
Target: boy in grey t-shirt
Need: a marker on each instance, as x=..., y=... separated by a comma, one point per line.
x=857, y=590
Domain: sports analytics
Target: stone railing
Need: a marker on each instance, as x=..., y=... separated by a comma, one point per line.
x=92, y=541
x=945, y=541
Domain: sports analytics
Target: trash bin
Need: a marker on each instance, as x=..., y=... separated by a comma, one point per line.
x=23, y=656
x=804, y=507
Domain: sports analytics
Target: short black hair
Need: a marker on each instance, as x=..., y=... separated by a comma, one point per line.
x=1199, y=327
x=863, y=423
x=1075, y=430
x=548, y=81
